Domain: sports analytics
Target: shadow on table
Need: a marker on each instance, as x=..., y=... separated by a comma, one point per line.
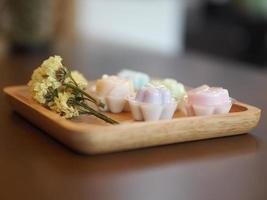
x=57, y=158
x=175, y=153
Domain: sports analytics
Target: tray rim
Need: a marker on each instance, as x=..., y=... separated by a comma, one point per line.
x=90, y=130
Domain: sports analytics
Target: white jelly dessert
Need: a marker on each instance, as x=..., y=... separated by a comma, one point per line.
x=152, y=103
x=205, y=100
x=112, y=91
x=139, y=79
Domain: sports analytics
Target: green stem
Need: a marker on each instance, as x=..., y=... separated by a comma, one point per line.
x=96, y=113
x=90, y=98
x=70, y=76
x=88, y=110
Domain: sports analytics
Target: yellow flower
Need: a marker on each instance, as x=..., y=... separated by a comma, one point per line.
x=44, y=77
x=52, y=85
x=51, y=65
x=39, y=89
x=79, y=79
x=61, y=106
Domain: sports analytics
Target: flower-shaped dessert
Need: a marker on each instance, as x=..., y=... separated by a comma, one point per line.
x=152, y=103
x=113, y=90
x=206, y=100
x=139, y=79
x=177, y=89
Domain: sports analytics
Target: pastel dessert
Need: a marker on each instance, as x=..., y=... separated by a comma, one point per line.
x=177, y=89
x=152, y=103
x=139, y=79
x=206, y=100
x=112, y=91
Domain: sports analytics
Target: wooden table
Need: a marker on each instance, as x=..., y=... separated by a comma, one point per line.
x=34, y=166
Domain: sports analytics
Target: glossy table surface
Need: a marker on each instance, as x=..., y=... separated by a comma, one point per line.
x=34, y=166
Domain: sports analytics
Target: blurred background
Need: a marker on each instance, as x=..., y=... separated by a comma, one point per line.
x=229, y=29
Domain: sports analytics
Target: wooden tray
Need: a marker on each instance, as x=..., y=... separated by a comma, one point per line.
x=92, y=136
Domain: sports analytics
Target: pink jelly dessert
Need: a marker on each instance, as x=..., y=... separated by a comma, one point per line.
x=152, y=103
x=206, y=100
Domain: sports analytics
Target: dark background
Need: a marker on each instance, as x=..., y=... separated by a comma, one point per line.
x=230, y=29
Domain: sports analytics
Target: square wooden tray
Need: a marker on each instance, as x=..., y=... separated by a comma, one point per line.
x=92, y=136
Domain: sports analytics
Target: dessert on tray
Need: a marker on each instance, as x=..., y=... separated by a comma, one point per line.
x=205, y=100
x=63, y=91
x=139, y=79
x=152, y=103
x=177, y=89
x=155, y=112
x=149, y=122
x=112, y=91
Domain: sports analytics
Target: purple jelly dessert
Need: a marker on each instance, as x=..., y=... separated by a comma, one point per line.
x=154, y=95
x=152, y=103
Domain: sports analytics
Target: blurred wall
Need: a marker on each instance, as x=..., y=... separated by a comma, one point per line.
x=152, y=24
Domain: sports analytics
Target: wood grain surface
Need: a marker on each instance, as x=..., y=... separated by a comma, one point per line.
x=92, y=136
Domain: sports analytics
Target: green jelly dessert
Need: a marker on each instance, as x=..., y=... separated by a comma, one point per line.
x=176, y=88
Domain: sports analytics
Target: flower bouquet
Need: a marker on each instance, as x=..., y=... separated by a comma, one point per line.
x=63, y=91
